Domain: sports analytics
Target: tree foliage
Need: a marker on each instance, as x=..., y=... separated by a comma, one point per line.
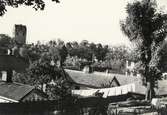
x=146, y=27
x=36, y=4
x=43, y=72
x=5, y=43
x=163, y=60
x=86, y=50
x=117, y=53
x=115, y=59
x=59, y=52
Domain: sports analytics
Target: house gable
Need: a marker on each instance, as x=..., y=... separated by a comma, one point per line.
x=115, y=82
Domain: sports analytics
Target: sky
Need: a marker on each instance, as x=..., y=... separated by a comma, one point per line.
x=72, y=20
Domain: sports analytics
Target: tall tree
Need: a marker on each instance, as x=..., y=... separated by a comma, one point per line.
x=146, y=27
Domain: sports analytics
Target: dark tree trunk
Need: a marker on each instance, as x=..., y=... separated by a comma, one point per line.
x=149, y=83
x=150, y=93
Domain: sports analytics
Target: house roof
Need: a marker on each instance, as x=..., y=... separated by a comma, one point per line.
x=78, y=76
x=89, y=79
x=14, y=91
x=96, y=79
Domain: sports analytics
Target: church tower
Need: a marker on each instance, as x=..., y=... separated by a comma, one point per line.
x=20, y=33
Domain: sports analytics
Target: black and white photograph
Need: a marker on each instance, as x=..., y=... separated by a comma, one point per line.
x=83, y=57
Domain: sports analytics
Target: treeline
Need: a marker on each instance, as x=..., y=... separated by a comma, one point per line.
x=86, y=50
x=83, y=50
x=99, y=57
x=75, y=55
